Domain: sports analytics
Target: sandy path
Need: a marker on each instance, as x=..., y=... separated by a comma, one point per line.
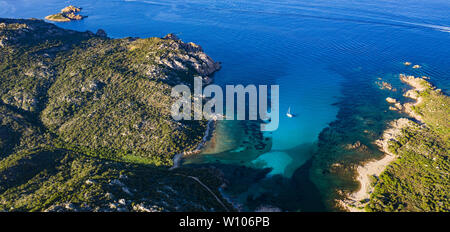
x=207, y=189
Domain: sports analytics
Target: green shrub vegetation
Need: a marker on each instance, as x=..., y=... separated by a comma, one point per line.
x=419, y=180
x=85, y=123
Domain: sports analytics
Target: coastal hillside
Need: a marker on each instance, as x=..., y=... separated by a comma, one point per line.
x=85, y=122
x=419, y=179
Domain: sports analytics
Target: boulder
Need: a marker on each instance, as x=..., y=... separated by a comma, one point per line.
x=101, y=33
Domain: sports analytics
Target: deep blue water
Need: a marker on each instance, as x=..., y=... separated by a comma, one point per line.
x=310, y=48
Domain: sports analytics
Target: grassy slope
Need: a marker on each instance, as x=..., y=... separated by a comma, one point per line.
x=60, y=180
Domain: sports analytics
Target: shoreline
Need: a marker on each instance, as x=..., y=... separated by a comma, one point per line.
x=208, y=132
x=356, y=201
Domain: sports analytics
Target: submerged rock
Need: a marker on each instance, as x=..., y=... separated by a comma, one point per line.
x=385, y=85
x=391, y=100
x=355, y=146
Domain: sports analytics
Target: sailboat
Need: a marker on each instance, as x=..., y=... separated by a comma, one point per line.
x=289, y=113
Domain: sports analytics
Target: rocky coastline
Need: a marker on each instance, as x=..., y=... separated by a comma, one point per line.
x=208, y=134
x=57, y=87
x=356, y=201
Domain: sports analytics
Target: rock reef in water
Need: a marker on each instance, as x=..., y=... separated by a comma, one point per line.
x=385, y=85
x=67, y=14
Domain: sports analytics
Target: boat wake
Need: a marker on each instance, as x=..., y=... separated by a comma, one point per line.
x=306, y=11
x=431, y=26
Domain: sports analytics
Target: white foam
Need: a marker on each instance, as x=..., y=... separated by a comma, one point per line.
x=431, y=26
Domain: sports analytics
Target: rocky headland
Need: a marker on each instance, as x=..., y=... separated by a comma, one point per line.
x=85, y=122
x=429, y=119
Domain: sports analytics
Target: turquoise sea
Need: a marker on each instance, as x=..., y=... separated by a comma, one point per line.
x=326, y=56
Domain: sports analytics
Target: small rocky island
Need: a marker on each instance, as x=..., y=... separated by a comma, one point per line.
x=67, y=14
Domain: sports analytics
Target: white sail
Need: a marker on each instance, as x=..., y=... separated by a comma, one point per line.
x=289, y=113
